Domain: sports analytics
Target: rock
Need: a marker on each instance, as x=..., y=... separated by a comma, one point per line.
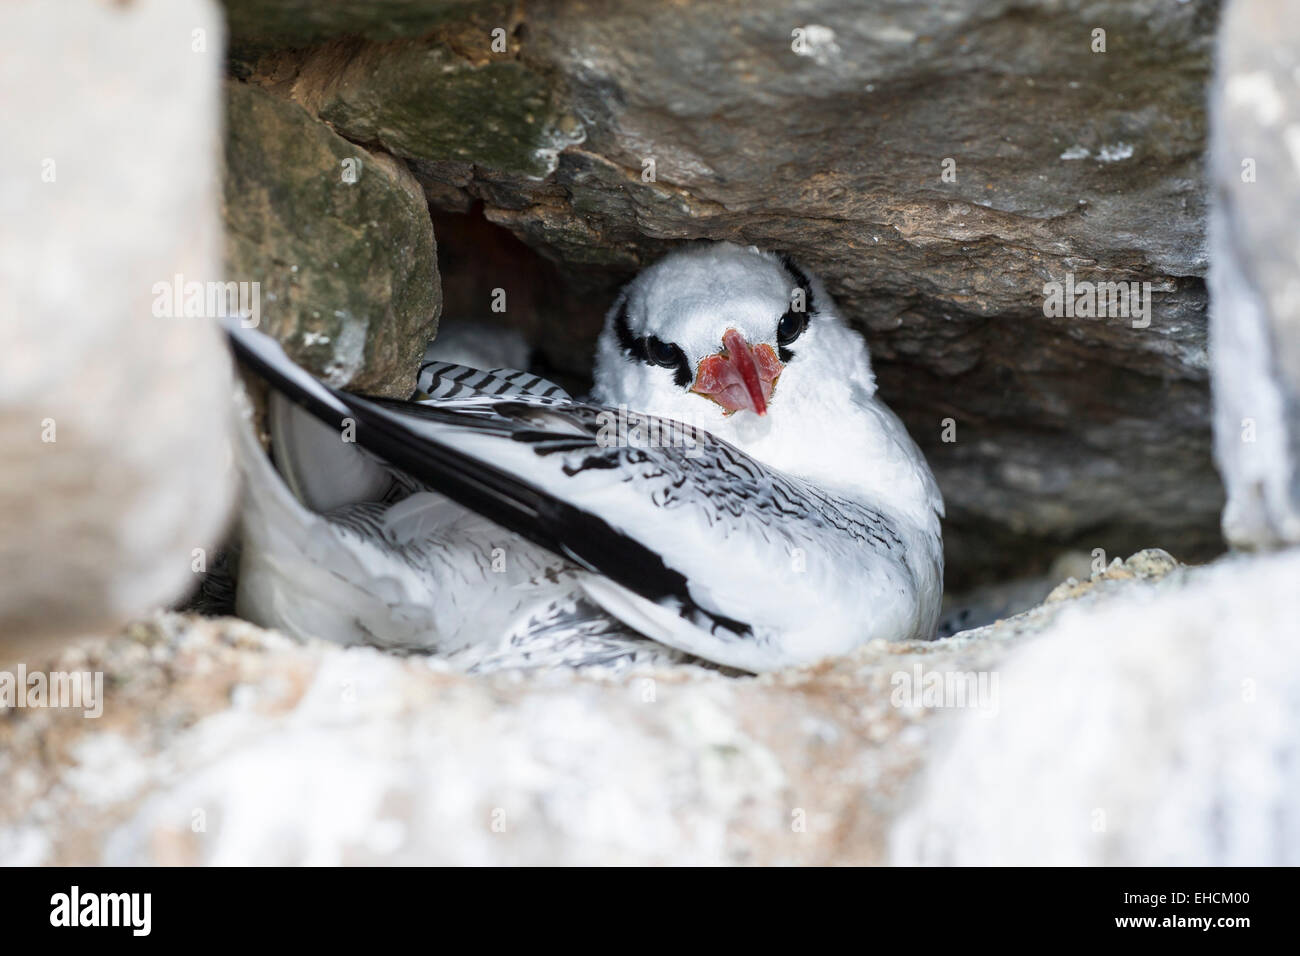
x=985, y=604
x=256, y=24
x=115, y=419
x=497, y=114
x=1150, y=564
x=223, y=743
x=1254, y=161
x=339, y=238
x=1154, y=726
x=824, y=132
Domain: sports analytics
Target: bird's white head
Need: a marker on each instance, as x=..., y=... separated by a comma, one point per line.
x=719, y=336
x=748, y=346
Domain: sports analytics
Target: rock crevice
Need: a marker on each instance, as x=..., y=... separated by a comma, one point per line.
x=937, y=165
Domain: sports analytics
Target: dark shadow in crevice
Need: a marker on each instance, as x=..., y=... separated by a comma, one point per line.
x=490, y=277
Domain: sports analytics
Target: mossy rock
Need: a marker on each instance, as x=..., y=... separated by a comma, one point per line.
x=340, y=239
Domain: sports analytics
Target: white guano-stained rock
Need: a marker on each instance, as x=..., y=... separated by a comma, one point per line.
x=1255, y=294
x=1155, y=729
x=114, y=422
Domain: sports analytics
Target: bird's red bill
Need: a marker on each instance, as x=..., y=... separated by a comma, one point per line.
x=740, y=376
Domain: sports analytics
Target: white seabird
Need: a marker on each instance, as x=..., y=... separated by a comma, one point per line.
x=500, y=522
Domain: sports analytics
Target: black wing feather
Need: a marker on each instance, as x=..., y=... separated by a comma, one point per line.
x=511, y=502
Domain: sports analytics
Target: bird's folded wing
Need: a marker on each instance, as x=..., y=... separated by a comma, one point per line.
x=703, y=543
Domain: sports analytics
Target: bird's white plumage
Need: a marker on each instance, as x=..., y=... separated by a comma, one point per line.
x=797, y=534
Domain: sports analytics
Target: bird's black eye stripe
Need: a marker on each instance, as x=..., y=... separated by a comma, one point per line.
x=651, y=350
x=794, y=322
x=801, y=281
x=628, y=342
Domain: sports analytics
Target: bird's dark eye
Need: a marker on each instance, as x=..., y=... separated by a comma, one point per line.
x=663, y=353
x=791, y=327
x=659, y=352
x=795, y=320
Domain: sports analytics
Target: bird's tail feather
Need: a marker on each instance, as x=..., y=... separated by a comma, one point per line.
x=289, y=557
x=477, y=485
x=321, y=465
